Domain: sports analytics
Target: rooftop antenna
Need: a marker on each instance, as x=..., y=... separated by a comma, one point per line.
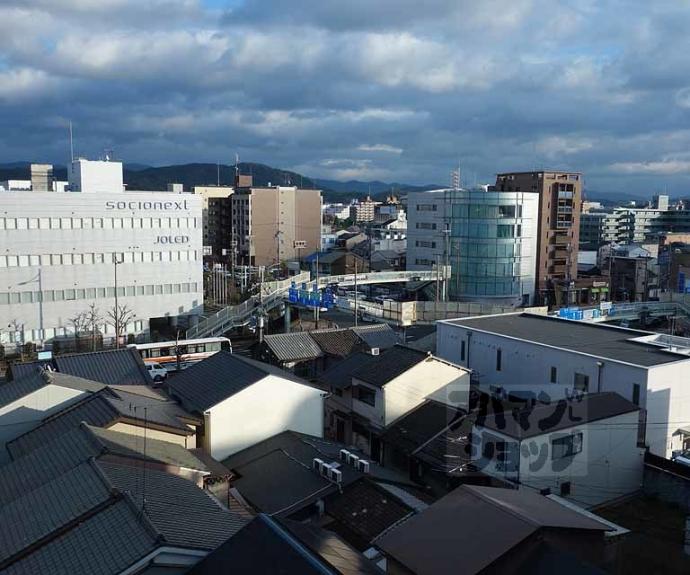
x=218, y=174
x=237, y=169
x=71, y=143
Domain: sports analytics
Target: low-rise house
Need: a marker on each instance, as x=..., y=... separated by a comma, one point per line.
x=383, y=389
x=387, y=260
x=583, y=449
x=531, y=356
x=338, y=262
x=242, y=402
x=487, y=530
x=296, y=352
x=84, y=503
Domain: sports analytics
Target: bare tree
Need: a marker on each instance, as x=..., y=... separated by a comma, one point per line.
x=93, y=321
x=120, y=317
x=78, y=322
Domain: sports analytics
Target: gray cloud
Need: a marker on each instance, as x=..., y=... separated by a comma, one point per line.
x=392, y=89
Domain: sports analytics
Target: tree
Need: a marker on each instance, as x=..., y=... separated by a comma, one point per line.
x=120, y=317
x=78, y=323
x=93, y=320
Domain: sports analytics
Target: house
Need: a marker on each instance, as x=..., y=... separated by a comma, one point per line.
x=382, y=389
x=25, y=402
x=489, y=530
x=83, y=503
x=267, y=545
x=387, y=260
x=584, y=449
x=135, y=411
x=338, y=263
x=242, y=402
x=110, y=367
x=296, y=352
x=530, y=356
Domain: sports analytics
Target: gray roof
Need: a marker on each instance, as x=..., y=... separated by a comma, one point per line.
x=389, y=365
x=494, y=520
x=30, y=382
x=339, y=342
x=102, y=409
x=112, y=367
x=340, y=375
x=276, y=474
x=296, y=346
x=595, y=339
x=379, y=335
x=563, y=414
x=17, y=371
x=219, y=377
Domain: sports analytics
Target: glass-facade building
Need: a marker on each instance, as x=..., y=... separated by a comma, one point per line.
x=489, y=239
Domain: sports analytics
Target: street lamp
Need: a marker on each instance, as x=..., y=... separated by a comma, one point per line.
x=117, y=260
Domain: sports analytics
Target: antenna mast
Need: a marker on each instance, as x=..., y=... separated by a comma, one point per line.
x=71, y=143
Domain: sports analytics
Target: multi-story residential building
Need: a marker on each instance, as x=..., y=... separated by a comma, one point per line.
x=215, y=216
x=489, y=239
x=62, y=252
x=340, y=211
x=593, y=230
x=364, y=210
x=274, y=224
x=560, y=198
x=542, y=358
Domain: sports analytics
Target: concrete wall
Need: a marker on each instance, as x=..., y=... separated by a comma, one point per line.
x=609, y=466
x=27, y=412
x=668, y=405
x=270, y=406
x=188, y=442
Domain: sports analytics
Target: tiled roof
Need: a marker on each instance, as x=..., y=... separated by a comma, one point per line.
x=17, y=371
x=128, y=445
x=338, y=342
x=112, y=367
x=340, y=375
x=389, y=365
x=35, y=380
x=563, y=414
x=494, y=520
x=102, y=409
x=296, y=346
x=379, y=335
x=213, y=380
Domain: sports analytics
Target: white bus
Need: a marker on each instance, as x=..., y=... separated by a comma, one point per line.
x=190, y=351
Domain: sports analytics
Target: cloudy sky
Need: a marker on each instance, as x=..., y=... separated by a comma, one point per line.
x=399, y=90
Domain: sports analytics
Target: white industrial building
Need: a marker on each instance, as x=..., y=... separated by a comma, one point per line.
x=61, y=252
x=540, y=357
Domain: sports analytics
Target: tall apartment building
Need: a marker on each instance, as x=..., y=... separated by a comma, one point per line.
x=364, y=210
x=489, y=239
x=560, y=198
x=216, y=222
x=274, y=224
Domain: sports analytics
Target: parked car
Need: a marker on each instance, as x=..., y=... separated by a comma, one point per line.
x=157, y=372
x=682, y=457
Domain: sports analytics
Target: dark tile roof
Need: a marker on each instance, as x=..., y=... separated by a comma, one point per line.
x=389, y=365
x=340, y=375
x=132, y=446
x=494, y=520
x=563, y=414
x=593, y=339
x=338, y=342
x=379, y=335
x=213, y=380
x=104, y=544
x=30, y=382
x=366, y=510
x=416, y=429
x=17, y=371
x=102, y=409
x=112, y=367
x=296, y=346
x=264, y=547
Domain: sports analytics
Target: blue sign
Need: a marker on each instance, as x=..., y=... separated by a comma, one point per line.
x=313, y=298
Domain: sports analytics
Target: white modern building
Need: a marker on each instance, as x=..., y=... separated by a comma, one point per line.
x=489, y=239
x=539, y=357
x=583, y=449
x=61, y=252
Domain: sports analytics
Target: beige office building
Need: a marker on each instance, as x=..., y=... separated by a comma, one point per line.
x=275, y=224
x=207, y=193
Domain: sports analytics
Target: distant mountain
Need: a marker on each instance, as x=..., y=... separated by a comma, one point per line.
x=375, y=187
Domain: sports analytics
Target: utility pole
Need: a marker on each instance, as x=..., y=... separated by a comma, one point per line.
x=355, y=291
x=116, y=262
x=318, y=305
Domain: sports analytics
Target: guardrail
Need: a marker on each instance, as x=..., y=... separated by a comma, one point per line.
x=273, y=293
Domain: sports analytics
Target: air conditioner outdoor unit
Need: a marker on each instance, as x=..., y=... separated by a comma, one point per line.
x=325, y=469
x=317, y=464
x=353, y=459
x=375, y=351
x=362, y=466
x=335, y=475
x=344, y=454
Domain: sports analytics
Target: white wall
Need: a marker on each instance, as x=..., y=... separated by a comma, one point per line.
x=609, y=466
x=27, y=412
x=411, y=389
x=266, y=408
x=668, y=406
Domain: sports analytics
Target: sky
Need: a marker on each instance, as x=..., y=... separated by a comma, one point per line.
x=395, y=90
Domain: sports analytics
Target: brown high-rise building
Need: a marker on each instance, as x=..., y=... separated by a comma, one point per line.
x=559, y=224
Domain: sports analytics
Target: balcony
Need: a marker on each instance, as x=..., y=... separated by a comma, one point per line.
x=558, y=269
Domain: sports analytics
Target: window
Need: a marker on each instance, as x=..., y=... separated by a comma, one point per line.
x=636, y=394
x=554, y=375
x=565, y=488
x=498, y=359
x=581, y=382
x=366, y=395
x=566, y=446
x=462, y=351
